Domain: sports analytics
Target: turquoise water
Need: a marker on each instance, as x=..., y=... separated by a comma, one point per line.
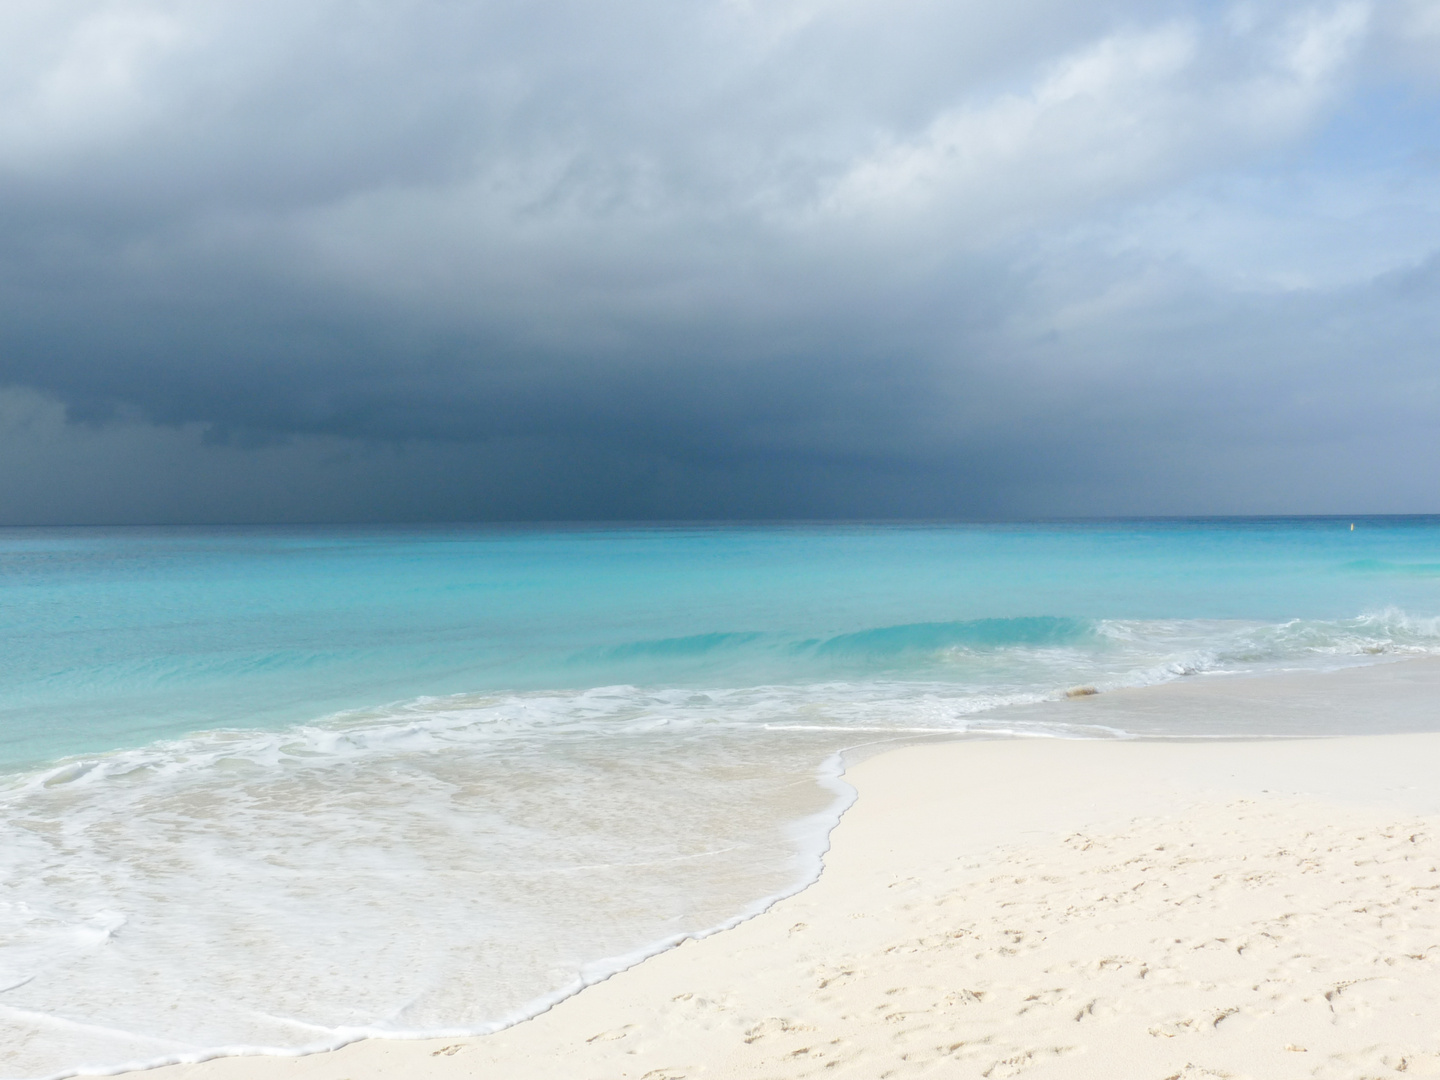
x=112, y=638
x=285, y=787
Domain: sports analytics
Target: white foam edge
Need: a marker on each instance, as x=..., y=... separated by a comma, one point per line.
x=830, y=776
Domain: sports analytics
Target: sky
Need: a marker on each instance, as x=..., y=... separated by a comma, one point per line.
x=439, y=260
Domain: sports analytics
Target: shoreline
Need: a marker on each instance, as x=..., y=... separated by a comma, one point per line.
x=938, y=826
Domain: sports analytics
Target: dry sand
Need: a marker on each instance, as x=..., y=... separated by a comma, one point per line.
x=1051, y=909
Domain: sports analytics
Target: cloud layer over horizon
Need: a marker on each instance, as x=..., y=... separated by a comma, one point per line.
x=433, y=260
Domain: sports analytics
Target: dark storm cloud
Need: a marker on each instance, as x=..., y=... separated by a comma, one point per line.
x=719, y=259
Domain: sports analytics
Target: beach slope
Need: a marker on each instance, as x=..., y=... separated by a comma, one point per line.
x=1051, y=909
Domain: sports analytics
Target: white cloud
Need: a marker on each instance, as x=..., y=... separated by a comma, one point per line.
x=1118, y=118
x=77, y=75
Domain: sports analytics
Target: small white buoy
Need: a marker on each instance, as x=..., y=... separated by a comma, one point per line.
x=1352, y=526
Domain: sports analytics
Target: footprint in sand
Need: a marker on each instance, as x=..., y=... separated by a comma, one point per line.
x=610, y=1036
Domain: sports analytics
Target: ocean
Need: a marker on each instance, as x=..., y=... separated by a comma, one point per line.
x=282, y=788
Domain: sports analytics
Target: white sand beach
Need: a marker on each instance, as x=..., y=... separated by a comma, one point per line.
x=1050, y=908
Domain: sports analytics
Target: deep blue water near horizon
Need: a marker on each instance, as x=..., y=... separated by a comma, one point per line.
x=285, y=787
